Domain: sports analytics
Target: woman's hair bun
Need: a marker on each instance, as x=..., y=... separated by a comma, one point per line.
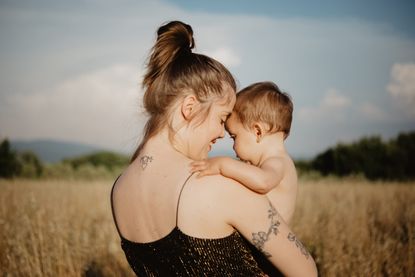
x=173, y=71
x=178, y=32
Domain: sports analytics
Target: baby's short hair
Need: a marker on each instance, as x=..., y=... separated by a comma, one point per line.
x=264, y=102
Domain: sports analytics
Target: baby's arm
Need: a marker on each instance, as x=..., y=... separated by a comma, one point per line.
x=259, y=179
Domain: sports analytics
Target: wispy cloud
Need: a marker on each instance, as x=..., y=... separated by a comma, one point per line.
x=334, y=100
x=372, y=112
x=225, y=55
x=331, y=106
x=402, y=87
x=99, y=107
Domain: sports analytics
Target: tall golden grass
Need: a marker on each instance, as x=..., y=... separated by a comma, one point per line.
x=65, y=228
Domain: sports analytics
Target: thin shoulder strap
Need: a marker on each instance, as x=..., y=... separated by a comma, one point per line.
x=180, y=194
x=112, y=206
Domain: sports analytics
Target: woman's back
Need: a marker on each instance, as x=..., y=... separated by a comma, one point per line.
x=169, y=224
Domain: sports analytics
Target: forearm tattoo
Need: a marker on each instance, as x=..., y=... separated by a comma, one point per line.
x=261, y=237
x=145, y=160
x=293, y=238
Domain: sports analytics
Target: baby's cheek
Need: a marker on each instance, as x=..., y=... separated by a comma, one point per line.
x=236, y=147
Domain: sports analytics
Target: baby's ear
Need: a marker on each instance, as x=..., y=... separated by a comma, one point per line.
x=259, y=131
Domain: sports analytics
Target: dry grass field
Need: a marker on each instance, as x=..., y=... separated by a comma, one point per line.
x=64, y=228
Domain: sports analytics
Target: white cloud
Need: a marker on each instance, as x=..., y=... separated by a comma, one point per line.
x=331, y=106
x=402, y=87
x=225, y=55
x=371, y=111
x=100, y=107
x=335, y=106
x=333, y=100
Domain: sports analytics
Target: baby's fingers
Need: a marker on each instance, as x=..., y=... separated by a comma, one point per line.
x=198, y=163
x=195, y=168
x=202, y=173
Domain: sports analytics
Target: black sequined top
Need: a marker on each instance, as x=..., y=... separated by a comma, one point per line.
x=178, y=254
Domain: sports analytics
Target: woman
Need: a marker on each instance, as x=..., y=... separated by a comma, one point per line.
x=171, y=223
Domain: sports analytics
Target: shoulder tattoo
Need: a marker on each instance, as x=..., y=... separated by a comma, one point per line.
x=145, y=160
x=260, y=238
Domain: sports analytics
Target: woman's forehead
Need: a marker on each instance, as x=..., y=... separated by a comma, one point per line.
x=228, y=96
x=226, y=106
x=231, y=121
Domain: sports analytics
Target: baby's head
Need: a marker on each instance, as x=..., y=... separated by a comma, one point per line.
x=261, y=109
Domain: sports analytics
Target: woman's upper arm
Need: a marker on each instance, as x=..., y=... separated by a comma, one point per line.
x=258, y=221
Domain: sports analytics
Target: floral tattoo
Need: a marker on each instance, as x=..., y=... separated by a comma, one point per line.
x=293, y=238
x=261, y=237
x=145, y=160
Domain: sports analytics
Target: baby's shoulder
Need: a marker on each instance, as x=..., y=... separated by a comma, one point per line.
x=283, y=167
x=280, y=160
x=277, y=162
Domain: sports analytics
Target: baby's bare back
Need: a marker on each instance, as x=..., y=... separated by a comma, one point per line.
x=284, y=195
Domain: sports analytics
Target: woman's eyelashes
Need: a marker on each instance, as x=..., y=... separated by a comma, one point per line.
x=223, y=120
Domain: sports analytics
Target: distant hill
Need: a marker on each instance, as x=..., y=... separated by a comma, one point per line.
x=51, y=151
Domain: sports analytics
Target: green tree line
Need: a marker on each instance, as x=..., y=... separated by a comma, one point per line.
x=370, y=156
x=27, y=165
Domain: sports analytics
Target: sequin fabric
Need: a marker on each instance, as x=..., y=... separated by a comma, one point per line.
x=178, y=254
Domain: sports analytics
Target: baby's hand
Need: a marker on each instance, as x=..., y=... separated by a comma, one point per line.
x=207, y=167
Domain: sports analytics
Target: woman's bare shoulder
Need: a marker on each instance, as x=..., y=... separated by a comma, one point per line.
x=218, y=182
x=222, y=190
x=227, y=200
x=124, y=177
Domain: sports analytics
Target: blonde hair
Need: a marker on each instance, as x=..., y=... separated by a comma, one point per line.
x=264, y=102
x=173, y=72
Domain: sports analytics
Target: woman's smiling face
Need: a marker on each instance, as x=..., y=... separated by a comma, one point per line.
x=212, y=128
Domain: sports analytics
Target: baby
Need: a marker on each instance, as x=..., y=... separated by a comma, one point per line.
x=258, y=125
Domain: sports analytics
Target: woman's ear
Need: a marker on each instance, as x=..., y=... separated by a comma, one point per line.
x=188, y=107
x=259, y=131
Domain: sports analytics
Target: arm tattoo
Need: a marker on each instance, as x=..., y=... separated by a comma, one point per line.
x=145, y=160
x=293, y=238
x=261, y=237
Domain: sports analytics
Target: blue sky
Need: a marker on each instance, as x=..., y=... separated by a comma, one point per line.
x=71, y=70
x=398, y=15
